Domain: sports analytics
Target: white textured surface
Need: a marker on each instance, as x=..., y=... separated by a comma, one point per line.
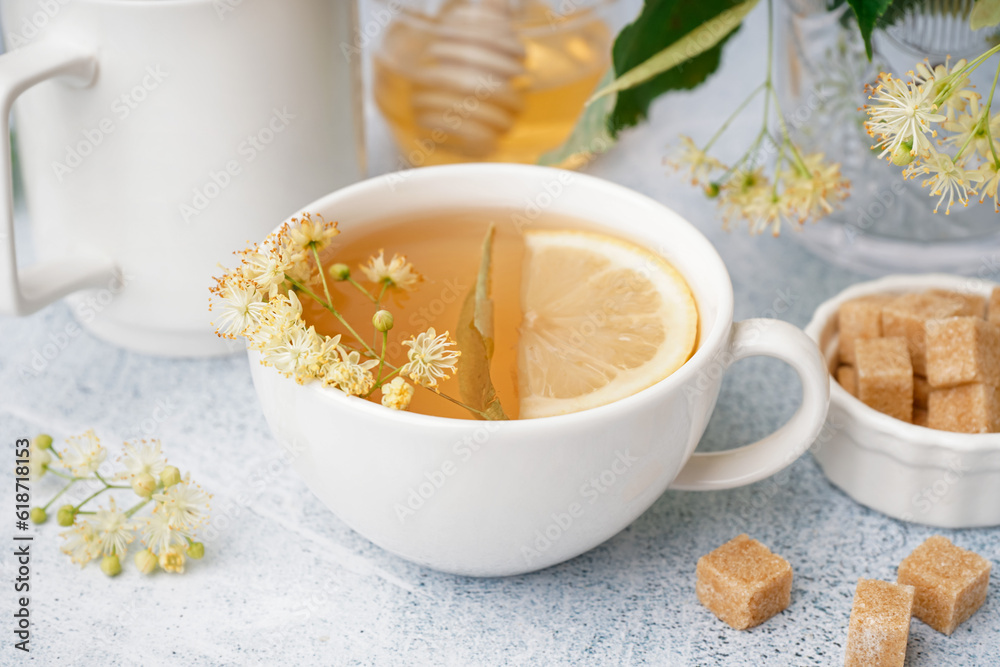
x=285, y=582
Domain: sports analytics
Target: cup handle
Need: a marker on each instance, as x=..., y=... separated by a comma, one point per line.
x=24, y=291
x=748, y=464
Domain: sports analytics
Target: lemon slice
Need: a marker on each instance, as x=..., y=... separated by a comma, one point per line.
x=602, y=319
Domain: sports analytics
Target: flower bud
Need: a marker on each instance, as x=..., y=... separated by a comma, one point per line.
x=170, y=476
x=712, y=190
x=66, y=515
x=196, y=550
x=144, y=485
x=146, y=561
x=111, y=566
x=38, y=515
x=43, y=441
x=382, y=320
x=340, y=272
x=172, y=560
x=901, y=155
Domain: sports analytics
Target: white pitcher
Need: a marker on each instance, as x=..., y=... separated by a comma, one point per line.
x=157, y=136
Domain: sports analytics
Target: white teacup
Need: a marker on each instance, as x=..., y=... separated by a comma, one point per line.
x=155, y=138
x=502, y=498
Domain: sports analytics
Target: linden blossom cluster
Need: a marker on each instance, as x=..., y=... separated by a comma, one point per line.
x=800, y=188
x=906, y=115
x=260, y=301
x=179, y=506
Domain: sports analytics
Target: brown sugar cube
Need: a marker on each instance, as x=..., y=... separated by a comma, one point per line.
x=950, y=583
x=919, y=416
x=847, y=378
x=907, y=316
x=962, y=350
x=885, y=376
x=921, y=391
x=743, y=583
x=859, y=318
x=968, y=408
x=975, y=302
x=993, y=313
x=880, y=624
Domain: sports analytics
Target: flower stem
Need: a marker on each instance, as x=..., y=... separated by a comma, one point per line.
x=329, y=307
x=362, y=289
x=135, y=508
x=89, y=498
x=64, y=475
x=322, y=274
x=986, y=117
x=739, y=109
x=56, y=497
x=381, y=360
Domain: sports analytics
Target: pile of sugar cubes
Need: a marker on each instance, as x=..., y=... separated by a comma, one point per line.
x=929, y=358
x=943, y=585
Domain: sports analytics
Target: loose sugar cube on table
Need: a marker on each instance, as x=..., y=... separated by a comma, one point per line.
x=993, y=313
x=962, y=350
x=907, y=316
x=968, y=408
x=885, y=376
x=743, y=583
x=859, y=318
x=879, y=625
x=848, y=379
x=950, y=583
x=921, y=391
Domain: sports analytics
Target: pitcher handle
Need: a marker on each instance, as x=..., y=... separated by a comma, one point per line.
x=26, y=290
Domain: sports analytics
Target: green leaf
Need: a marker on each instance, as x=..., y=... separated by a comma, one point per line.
x=661, y=24
x=474, y=336
x=868, y=12
x=986, y=13
x=694, y=43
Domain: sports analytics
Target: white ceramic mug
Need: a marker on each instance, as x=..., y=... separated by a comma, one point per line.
x=501, y=498
x=155, y=137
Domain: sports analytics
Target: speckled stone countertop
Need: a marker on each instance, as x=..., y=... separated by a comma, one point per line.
x=285, y=582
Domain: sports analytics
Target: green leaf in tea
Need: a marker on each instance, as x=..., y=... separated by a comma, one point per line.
x=475, y=339
x=661, y=24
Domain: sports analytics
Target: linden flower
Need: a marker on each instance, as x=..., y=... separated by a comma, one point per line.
x=742, y=189
x=266, y=270
x=38, y=461
x=297, y=351
x=397, y=273
x=767, y=211
x=81, y=543
x=350, y=374
x=114, y=530
x=284, y=313
x=305, y=234
x=397, y=394
x=241, y=307
x=184, y=505
x=943, y=81
x=144, y=456
x=970, y=130
x=699, y=163
x=903, y=112
x=430, y=359
x=172, y=560
x=84, y=454
x=814, y=195
x=990, y=173
x=948, y=179
x=159, y=535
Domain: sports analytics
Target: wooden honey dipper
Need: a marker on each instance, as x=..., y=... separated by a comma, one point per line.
x=465, y=90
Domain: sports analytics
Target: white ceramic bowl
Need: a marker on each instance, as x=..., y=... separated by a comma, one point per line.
x=938, y=478
x=500, y=498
